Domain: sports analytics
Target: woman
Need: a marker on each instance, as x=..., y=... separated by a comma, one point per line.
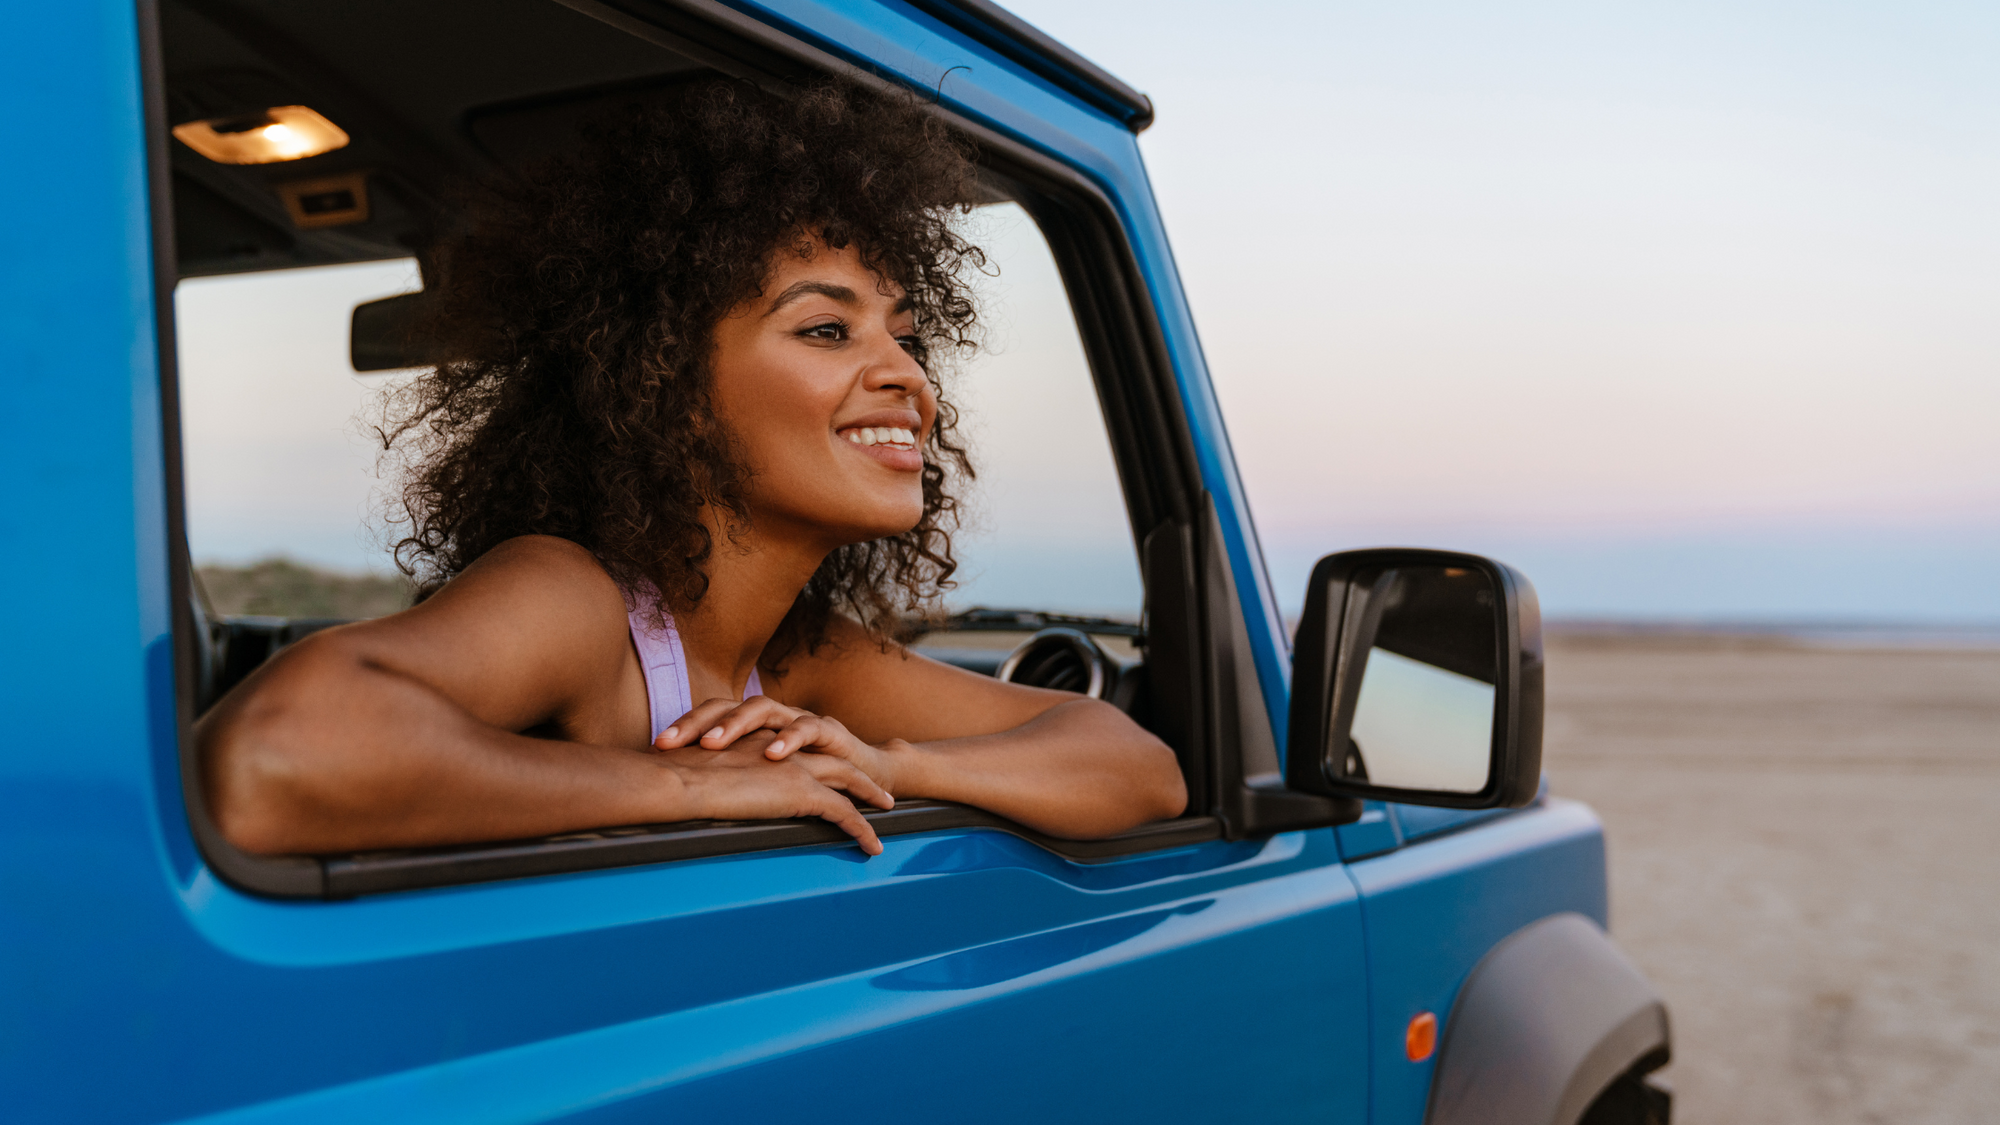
x=694, y=451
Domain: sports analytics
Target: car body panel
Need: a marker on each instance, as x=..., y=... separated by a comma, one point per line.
x=1434, y=908
x=866, y=1044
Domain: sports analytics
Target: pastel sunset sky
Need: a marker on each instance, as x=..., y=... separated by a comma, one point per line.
x=1687, y=310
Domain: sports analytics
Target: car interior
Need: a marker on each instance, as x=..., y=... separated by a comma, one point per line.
x=314, y=135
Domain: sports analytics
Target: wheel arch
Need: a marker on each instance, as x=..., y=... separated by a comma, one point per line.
x=1548, y=1019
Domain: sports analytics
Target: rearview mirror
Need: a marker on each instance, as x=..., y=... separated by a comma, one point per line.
x=1417, y=677
x=382, y=335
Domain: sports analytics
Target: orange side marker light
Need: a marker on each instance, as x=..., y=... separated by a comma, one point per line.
x=1422, y=1037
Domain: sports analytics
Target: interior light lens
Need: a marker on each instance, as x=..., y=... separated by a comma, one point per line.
x=285, y=132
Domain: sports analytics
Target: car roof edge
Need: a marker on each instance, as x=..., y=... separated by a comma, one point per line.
x=1024, y=43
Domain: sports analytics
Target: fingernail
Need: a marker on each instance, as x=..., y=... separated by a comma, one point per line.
x=716, y=733
x=775, y=748
x=671, y=732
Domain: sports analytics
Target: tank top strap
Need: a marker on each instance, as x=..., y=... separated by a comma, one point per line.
x=669, y=694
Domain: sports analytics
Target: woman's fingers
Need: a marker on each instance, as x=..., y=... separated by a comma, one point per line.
x=742, y=784
x=690, y=726
x=842, y=814
x=756, y=713
x=819, y=732
x=717, y=723
x=836, y=774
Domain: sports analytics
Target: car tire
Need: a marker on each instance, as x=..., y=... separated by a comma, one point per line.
x=1632, y=1100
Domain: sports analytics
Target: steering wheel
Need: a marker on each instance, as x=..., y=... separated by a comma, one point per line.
x=1064, y=659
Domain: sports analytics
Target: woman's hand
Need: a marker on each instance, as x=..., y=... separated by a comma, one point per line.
x=746, y=781
x=1080, y=769
x=720, y=723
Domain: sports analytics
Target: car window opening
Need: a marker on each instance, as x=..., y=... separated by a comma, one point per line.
x=306, y=188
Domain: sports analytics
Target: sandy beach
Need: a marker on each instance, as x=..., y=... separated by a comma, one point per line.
x=1805, y=857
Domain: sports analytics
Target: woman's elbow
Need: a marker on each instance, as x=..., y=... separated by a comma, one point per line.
x=255, y=787
x=1148, y=780
x=268, y=770
x=1163, y=794
x=1147, y=786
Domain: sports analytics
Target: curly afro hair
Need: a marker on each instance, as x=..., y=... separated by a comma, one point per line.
x=580, y=302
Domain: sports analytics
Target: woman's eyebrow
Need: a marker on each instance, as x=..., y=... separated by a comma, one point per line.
x=799, y=289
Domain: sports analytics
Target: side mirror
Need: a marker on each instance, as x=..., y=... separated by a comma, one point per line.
x=1417, y=677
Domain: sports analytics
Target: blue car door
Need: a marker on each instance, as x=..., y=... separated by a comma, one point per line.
x=960, y=976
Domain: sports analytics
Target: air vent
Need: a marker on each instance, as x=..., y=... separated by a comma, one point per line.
x=1064, y=660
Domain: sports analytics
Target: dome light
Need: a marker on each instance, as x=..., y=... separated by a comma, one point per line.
x=286, y=132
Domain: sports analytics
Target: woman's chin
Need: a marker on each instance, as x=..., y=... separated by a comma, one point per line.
x=887, y=525
x=849, y=523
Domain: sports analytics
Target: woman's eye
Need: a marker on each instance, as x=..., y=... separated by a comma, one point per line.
x=909, y=343
x=831, y=331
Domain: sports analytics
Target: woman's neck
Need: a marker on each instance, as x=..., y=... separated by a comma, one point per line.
x=752, y=583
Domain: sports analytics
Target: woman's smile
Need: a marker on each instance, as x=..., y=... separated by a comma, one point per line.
x=888, y=437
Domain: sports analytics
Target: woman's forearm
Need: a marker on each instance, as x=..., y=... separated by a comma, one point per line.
x=325, y=752
x=1080, y=770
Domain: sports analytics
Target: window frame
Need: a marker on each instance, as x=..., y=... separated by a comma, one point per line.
x=1189, y=605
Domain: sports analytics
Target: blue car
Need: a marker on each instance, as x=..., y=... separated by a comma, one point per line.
x=1373, y=909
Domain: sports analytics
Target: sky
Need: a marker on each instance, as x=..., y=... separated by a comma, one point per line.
x=1688, y=311
x=276, y=451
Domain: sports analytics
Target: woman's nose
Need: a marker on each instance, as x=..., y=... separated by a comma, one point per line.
x=892, y=368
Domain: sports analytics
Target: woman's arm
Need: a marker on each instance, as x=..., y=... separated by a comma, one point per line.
x=400, y=732
x=1054, y=761
x=1081, y=770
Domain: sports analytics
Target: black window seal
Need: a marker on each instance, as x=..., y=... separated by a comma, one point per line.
x=1131, y=368
x=378, y=872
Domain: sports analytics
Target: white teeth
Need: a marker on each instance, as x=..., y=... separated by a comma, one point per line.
x=882, y=435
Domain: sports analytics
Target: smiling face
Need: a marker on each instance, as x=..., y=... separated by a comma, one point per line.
x=816, y=381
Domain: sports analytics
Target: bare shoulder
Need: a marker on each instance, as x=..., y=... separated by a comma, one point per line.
x=568, y=567
x=535, y=619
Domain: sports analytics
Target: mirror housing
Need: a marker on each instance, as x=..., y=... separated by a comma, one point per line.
x=1453, y=623
x=382, y=335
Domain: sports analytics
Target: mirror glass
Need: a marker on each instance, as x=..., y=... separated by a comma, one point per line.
x=1423, y=718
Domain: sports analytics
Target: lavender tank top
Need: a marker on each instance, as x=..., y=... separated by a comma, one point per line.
x=668, y=694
